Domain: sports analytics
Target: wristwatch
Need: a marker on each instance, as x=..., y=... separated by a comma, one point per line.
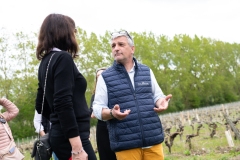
x=112, y=114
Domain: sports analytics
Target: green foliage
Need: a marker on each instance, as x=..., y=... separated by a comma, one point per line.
x=187, y=152
x=93, y=121
x=197, y=71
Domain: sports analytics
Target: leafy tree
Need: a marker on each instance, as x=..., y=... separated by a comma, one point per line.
x=24, y=85
x=197, y=71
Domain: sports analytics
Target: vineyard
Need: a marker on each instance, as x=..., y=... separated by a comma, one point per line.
x=209, y=133
x=206, y=133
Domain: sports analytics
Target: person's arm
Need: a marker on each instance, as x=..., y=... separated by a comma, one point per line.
x=38, y=103
x=64, y=81
x=160, y=100
x=77, y=148
x=37, y=124
x=100, y=108
x=39, y=98
x=12, y=110
x=101, y=99
x=91, y=106
x=115, y=113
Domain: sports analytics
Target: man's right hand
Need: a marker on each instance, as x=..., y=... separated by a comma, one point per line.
x=118, y=114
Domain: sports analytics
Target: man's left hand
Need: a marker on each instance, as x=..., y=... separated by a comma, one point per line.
x=162, y=104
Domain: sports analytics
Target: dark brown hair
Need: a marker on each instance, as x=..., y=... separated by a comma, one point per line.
x=57, y=30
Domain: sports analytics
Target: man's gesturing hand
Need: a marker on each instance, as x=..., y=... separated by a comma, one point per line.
x=162, y=104
x=118, y=114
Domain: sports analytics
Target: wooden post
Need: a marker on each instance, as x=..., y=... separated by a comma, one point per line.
x=197, y=117
x=189, y=120
x=234, y=129
x=229, y=138
x=182, y=118
x=227, y=112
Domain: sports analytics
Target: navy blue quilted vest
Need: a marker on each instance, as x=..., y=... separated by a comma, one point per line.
x=142, y=127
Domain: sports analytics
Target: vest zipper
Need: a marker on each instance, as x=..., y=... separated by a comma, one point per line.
x=135, y=99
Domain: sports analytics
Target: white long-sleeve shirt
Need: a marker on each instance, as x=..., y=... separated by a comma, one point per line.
x=37, y=122
x=101, y=96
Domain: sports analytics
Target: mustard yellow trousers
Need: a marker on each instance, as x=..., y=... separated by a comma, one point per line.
x=153, y=153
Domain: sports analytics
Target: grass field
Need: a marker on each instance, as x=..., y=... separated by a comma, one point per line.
x=203, y=147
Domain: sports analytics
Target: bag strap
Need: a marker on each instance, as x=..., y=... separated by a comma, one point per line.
x=44, y=90
x=5, y=127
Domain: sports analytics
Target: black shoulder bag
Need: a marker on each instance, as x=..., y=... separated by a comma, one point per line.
x=41, y=147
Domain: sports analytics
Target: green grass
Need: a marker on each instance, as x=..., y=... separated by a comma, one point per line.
x=203, y=146
x=27, y=155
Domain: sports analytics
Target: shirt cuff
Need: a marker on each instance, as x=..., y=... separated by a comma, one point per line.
x=158, y=97
x=97, y=111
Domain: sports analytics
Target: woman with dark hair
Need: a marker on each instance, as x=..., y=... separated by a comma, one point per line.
x=64, y=101
x=102, y=136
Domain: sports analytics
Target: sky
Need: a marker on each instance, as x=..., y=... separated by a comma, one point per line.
x=215, y=19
